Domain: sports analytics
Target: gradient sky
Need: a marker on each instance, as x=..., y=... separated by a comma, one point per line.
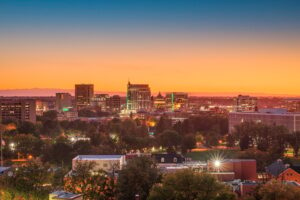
x=203, y=46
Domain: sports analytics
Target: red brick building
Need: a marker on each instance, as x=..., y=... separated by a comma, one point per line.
x=244, y=169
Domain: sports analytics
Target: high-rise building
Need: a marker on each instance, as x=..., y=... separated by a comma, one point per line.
x=63, y=101
x=114, y=103
x=100, y=101
x=138, y=97
x=245, y=104
x=177, y=100
x=83, y=95
x=20, y=109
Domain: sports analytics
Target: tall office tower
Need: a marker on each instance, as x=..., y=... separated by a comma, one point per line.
x=245, y=104
x=83, y=95
x=177, y=100
x=114, y=103
x=138, y=97
x=20, y=109
x=100, y=101
x=63, y=101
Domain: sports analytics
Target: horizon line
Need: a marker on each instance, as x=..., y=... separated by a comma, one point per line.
x=51, y=92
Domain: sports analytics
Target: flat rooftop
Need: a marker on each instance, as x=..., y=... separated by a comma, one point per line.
x=98, y=157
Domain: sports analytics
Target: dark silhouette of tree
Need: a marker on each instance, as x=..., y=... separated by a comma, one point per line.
x=169, y=139
x=190, y=185
x=188, y=142
x=163, y=124
x=26, y=127
x=137, y=177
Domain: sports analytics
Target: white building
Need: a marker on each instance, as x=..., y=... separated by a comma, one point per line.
x=108, y=163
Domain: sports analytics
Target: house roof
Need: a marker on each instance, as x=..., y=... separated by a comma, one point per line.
x=276, y=168
x=3, y=169
x=98, y=157
x=65, y=195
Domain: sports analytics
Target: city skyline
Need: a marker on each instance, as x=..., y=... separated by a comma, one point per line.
x=199, y=47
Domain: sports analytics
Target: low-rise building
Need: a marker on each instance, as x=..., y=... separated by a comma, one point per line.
x=283, y=172
x=165, y=158
x=243, y=169
x=64, y=195
x=108, y=163
x=269, y=117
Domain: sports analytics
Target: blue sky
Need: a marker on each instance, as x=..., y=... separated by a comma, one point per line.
x=190, y=15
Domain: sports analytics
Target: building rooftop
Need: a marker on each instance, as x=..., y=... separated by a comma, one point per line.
x=64, y=195
x=98, y=157
x=268, y=113
x=3, y=169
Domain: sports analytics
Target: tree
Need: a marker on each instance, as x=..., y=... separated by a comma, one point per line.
x=27, y=144
x=26, y=127
x=51, y=128
x=263, y=159
x=49, y=115
x=169, y=139
x=242, y=133
x=29, y=178
x=294, y=141
x=188, y=142
x=163, y=124
x=82, y=148
x=137, y=177
x=275, y=190
x=230, y=140
x=93, y=185
x=279, y=138
x=190, y=185
x=60, y=152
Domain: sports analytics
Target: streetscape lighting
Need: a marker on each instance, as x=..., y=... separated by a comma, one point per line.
x=12, y=146
x=217, y=164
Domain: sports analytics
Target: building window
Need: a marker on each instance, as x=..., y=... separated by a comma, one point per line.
x=105, y=165
x=162, y=160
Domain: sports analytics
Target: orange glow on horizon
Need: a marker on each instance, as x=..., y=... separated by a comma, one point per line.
x=209, y=65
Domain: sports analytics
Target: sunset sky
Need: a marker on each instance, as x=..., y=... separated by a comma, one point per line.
x=197, y=46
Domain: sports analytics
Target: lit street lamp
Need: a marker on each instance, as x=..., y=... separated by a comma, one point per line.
x=12, y=146
x=217, y=164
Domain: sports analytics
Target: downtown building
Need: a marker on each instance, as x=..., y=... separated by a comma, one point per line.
x=19, y=109
x=271, y=117
x=138, y=97
x=63, y=101
x=83, y=95
x=107, y=103
x=177, y=100
x=245, y=104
